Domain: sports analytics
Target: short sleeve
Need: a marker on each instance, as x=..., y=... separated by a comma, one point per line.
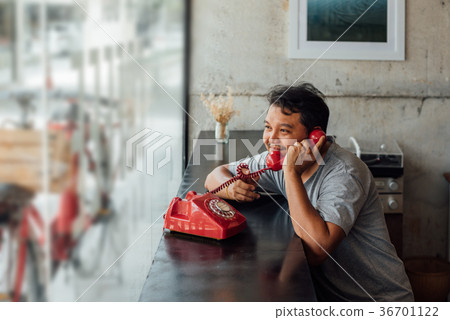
x=341, y=198
x=268, y=182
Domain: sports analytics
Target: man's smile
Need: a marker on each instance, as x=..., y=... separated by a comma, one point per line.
x=276, y=147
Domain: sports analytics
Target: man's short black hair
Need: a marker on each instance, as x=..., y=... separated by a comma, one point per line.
x=305, y=99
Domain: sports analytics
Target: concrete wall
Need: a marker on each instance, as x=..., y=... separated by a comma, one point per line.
x=244, y=44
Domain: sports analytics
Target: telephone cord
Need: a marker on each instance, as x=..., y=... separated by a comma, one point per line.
x=239, y=176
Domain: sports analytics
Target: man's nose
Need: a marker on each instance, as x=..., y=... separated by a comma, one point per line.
x=274, y=138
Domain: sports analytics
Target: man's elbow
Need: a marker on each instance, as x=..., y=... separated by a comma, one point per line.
x=316, y=254
x=206, y=181
x=319, y=248
x=316, y=259
x=206, y=184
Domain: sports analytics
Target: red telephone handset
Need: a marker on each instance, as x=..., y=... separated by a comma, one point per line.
x=274, y=159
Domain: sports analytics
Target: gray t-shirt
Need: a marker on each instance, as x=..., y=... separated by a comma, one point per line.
x=365, y=266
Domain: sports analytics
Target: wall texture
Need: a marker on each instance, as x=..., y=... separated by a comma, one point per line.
x=244, y=44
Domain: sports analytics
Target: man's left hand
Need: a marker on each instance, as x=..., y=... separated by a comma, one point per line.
x=300, y=156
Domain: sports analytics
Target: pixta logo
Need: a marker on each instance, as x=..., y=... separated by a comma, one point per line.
x=143, y=146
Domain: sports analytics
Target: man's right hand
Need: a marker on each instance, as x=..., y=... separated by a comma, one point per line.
x=243, y=191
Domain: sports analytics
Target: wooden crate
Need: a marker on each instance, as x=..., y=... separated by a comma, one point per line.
x=21, y=159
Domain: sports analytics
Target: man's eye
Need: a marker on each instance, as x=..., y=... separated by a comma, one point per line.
x=267, y=127
x=284, y=131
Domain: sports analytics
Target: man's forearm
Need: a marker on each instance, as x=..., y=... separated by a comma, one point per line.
x=307, y=222
x=218, y=176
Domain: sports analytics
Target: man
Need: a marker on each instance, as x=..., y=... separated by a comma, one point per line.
x=333, y=201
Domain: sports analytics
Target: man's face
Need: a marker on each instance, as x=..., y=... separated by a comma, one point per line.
x=282, y=131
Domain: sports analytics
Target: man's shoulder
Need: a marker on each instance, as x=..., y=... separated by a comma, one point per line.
x=345, y=165
x=342, y=159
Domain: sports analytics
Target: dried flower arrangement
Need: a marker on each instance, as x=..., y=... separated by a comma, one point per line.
x=221, y=109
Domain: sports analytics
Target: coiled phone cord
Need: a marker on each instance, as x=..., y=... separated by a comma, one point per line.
x=239, y=176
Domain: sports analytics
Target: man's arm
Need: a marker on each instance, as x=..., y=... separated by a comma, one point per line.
x=239, y=190
x=320, y=237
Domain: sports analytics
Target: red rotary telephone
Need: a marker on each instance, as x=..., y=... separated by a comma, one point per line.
x=204, y=215
x=209, y=216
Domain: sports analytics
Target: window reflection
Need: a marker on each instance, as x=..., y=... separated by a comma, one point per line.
x=6, y=42
x=70, y=98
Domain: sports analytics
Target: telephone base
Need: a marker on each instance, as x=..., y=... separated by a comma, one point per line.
x=204, y=215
